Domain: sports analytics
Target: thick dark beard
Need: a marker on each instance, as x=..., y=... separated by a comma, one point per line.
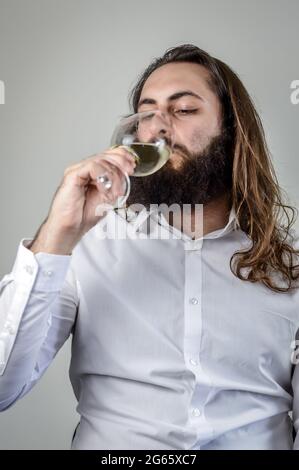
x=200, y=179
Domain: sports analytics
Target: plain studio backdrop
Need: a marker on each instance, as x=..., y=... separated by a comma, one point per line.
x=67, y=66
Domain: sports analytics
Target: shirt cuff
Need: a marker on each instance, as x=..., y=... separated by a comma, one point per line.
x=42, y=271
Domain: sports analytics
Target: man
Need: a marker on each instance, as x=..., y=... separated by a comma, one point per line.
x=178, y=342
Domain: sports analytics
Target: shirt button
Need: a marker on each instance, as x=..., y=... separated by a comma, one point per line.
x=48, y=273
x=193, y=301
x=193, y=362
x=196, y=412
x=29, y=269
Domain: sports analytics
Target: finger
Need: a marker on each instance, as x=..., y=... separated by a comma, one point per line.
x=114, y=154
x=83, y=174
x=123, y=164
x=88, y=174
x=116, y=180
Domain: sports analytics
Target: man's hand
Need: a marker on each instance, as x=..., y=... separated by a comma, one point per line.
x=73, y=209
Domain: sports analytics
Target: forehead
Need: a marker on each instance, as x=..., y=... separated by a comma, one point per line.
x=174, y=77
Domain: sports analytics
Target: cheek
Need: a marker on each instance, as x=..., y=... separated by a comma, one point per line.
x=200, y=137
x=142, y=135
x=199, y=140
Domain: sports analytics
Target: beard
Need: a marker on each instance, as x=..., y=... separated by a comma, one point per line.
x=200, y=178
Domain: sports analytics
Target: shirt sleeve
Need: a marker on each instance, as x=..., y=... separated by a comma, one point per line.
x=38, y=305
x=295, y=388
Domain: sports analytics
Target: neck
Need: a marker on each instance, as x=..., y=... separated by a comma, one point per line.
x=215, y=216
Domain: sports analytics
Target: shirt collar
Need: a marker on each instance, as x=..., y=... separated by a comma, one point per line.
x=137, y=222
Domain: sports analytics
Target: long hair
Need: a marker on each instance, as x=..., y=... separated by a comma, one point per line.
x=255, y=193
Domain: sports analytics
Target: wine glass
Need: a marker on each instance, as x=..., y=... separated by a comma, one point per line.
x=148, y=136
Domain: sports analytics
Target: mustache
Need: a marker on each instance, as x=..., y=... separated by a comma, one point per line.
x=182, y=151
x=175, y=147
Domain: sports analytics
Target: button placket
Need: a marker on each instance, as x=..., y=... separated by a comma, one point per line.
x=48, y=273
x=192, y=296
x=193, y=362
x=196, y=412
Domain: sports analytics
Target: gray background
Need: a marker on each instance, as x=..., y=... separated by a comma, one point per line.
x=67, y=67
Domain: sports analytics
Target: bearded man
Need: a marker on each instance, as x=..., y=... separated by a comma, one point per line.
x=181, y=341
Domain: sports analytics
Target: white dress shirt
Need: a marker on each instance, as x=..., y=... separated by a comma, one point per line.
x=170, y=350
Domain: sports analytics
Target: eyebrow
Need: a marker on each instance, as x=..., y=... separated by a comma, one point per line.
x=173, y=97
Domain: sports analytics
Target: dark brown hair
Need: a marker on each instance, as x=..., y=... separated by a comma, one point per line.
x=256, y=195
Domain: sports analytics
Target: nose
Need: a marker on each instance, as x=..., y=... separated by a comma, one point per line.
x=160, y=126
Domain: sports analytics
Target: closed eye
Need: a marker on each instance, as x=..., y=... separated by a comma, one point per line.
x=186, y=111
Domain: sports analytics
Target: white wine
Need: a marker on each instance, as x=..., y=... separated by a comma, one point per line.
x=149, y=157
